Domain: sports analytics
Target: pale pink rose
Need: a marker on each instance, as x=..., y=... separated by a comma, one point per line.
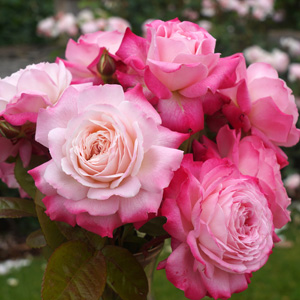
x=242, y=8
x=85, y=15
x=37, y=86
x=292, y=183
x=117, y=23
x=254, y=159
x=67, y=23
x=89, y=27
x=47, y=27
x=178, y=65
x=294, y=72
x=111, y=158
x=262, y=102
x=291, y=44
x=255, y=54
x=221, y=229
x=82, y=57
x=279, y=15
x=208, y=8
x=262, y=8
x=277, y=58
x=207, y=25
x=190, y=14
x=93, y=26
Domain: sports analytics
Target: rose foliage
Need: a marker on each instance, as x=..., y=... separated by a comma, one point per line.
x=128, y=141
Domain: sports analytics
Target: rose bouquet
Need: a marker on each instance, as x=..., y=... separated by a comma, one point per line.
x=129, y=141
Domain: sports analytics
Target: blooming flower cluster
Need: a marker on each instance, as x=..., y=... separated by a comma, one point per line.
x=259, y=9
x=135, y=128
x=277, y=58
x=85, y=22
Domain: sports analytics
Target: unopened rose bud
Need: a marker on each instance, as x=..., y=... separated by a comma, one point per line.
x=106, y=65
x=9, y=131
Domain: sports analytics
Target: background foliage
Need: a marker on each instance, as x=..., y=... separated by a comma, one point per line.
x=18, y=20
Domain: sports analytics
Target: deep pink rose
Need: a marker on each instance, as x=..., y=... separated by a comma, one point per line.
x=254, y=159
x=178, y=65
x=82, y=57
x=262, y=102
x=221, y=229
x=37, y=86
x=111, y=158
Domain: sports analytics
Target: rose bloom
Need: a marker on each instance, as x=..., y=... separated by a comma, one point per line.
x=93, y=25
x=7, y=175
x=178, y=65
x=277, y=58
x=23, y=93
x=253, y=159
x=262, y=102
x=85, y=15
x=47, y=27
x=291, y=44
x=67, y=23
x=292, y=184
x=82, y=57
x=117, y=23
x=221, y=229
x=294, y=72
x=111, y=158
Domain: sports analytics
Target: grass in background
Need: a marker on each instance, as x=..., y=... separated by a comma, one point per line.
x=27, y=282
x=277, y=280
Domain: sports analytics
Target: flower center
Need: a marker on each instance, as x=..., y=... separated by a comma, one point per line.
x=96, y=144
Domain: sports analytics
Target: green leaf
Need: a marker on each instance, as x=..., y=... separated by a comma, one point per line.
x=74, y=272
x=38, y=197
x=23, y=178
x=16, y=207
x=79, y=234
x=125, y=275
x=109, y=294
x=154, y=227
x=36, y=239
x=53, y=236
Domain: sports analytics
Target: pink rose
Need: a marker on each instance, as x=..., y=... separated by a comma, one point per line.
x=7, y=175
x=10, y=149
x=292, y=45
x=117, y=23
x=178, y=65
x=254, y=159
x=67, y=23
x=221, y=229
x=82, y=58
x=93, y=25
x=292, y=184
x=262, y=102
x=37, y=86
x=278, y=59
x=294, y=72
x=111, y=158
x=47, y=27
